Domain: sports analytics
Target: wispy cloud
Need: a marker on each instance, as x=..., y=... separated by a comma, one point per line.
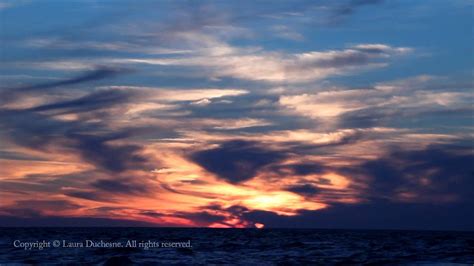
x=227, y=61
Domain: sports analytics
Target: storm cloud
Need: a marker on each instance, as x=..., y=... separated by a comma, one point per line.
x=237, y=161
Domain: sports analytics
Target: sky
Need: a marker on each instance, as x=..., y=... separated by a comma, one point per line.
x=299, y=114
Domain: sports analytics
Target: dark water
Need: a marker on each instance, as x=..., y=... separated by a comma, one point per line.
x=237, y=246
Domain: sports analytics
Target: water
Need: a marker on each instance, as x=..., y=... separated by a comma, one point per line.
x=237, y=246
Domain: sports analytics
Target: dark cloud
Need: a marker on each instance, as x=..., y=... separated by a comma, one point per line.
x=40, y=183
x=237, y=161
x=121, y=186
x=35, y=208
x=343, y=11
x=359, y=57
x=152, y=214
x=374, y=215
x=115, y=158
x=33, y=130
x=246, y=105
x=435, y=172
x=11, y=155
x=410, y=116
x=97, y=100
x=300, y=169
x=44, y=132
x=448, y=169
x=6, y=95
x=367, y=118
x=203, y=218
x=89, y=195
x=41, y=132
x=234, y=209
x=97, y=74
x=47, y=204
x=305, y=189
x=298, y=147
x=376, y=117
x=170, y=189
x=20, y=212
x=194, y=182
x=220, y=213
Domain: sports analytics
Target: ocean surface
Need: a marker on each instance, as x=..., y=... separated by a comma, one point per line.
x=168, y=246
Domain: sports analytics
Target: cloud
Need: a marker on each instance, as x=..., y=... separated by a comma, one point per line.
x=436, y=173
x=378, y=215
x=97, y=74
x=208, y=52
x=100, y=73
x=236, y=161
x=285, y=32
x=88, y=195
x=12, y=155
x=111, y=46
x=306, y=189
x=224, y=60
x=32, y=130
x=345, y=10
x=177, y=94
x=99, y=151
x=241, y=123
x=43, y=133
x=200, y=218
x=305, y=168
x=106, y=187
x=380, y=105
x=120, y=186
x=35, y=208
x=300, y=168
x=96, y=100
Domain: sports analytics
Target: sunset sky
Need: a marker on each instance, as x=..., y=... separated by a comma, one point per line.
x=331, y=114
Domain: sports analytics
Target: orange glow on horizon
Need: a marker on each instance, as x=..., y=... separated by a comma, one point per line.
x=176, y=187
